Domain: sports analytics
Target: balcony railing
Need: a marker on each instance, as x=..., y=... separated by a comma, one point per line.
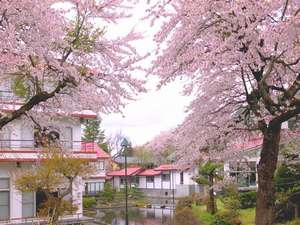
x=32, y=145
x=9, y=96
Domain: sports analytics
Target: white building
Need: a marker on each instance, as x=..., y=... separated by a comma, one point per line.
x=164, y=181
x=241, y=163
x=20, y=149
x=241, y=160
x=95, y=183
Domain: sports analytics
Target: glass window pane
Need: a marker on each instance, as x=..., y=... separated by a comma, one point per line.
x=4, y=183
x=4, y=212
x=253, y=166
x=101, y=165
x=67, y=137
x=253, y=179
x=97, y=187
x=93, y=187
x=27, y=197
x=101, y=186
x=4, y=205
x=28, y=204
x=4, y=198
x=166, y=177
x=28, y=210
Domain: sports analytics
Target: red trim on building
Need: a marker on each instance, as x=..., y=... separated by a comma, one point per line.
x=101, y=154
x=150, y=172
x=165, y=167
x=131, y=171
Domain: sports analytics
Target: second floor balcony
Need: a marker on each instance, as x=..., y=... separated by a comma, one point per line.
x=34, y=145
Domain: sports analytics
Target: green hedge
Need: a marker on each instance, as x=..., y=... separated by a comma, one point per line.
x=248, y=199
x=88, y=202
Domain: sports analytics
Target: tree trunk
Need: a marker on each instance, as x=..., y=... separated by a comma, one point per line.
x=211, y=205
x=265, y=202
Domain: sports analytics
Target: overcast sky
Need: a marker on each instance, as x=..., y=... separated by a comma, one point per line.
x=155, y=111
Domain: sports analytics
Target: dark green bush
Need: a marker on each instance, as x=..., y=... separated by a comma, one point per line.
x=219, y=221
x=232, y=205
x=248, y=199
x=88, y=202
x=108, y=193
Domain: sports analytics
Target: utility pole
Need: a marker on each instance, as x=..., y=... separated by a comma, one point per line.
x=125, y=144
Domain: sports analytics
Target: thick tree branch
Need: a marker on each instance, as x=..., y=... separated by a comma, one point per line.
x=285, y=116
x=35, y=100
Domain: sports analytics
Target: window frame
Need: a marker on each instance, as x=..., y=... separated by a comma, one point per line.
x=29, y=203
x=6, y=190
x=151, y=178
x=164, y=176
x=243, y=176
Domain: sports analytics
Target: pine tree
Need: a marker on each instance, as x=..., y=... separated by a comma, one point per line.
x=93, y=132
x=208, y=174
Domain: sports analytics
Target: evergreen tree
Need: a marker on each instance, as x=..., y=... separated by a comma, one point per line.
x=93, y=132
x=208, y=175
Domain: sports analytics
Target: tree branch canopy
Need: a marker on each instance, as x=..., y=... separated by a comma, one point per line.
x=48, y=60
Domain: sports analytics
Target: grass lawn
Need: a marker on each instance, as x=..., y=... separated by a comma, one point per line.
x=247, y=216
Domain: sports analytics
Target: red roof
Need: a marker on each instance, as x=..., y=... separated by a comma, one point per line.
x=131, y=171
x=165, y=167
x=150, y=172
x=93, y=147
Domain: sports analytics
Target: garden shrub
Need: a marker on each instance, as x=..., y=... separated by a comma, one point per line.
x=248, y=199
x=88, y=202
x=185, y=216
x=294, y=222
x=219, y=221
x=135, y=193
x=185, y=202
x=108, y=193
x=232, y=205
x=198, y=199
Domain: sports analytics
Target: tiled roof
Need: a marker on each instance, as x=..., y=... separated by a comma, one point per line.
x=131, y=171
x=92, y=146
x=165, y=167
x=149, y=172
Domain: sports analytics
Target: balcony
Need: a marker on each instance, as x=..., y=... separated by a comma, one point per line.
x=33, y=145
x=9, y=96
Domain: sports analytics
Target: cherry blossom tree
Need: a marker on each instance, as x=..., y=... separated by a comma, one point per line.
x=242, y=59
x=58, y=56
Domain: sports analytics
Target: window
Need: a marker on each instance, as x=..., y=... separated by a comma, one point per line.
x=137, y=180
x=67, y=135
x=101, y=165
x=5, y=138
x=94, y=187
x=4, y=198
x=244, y=173
x=122, y=181
x=28, y=200
x=165, y=177
x=27, y=137
x=150, y=179
x=181, y=178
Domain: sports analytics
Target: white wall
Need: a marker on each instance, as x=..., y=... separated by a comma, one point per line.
x=116, y=182
x=10, y=170
x=142, y=182
x=17, y=135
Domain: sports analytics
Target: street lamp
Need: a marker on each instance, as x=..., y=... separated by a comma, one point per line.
x=125, y=144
